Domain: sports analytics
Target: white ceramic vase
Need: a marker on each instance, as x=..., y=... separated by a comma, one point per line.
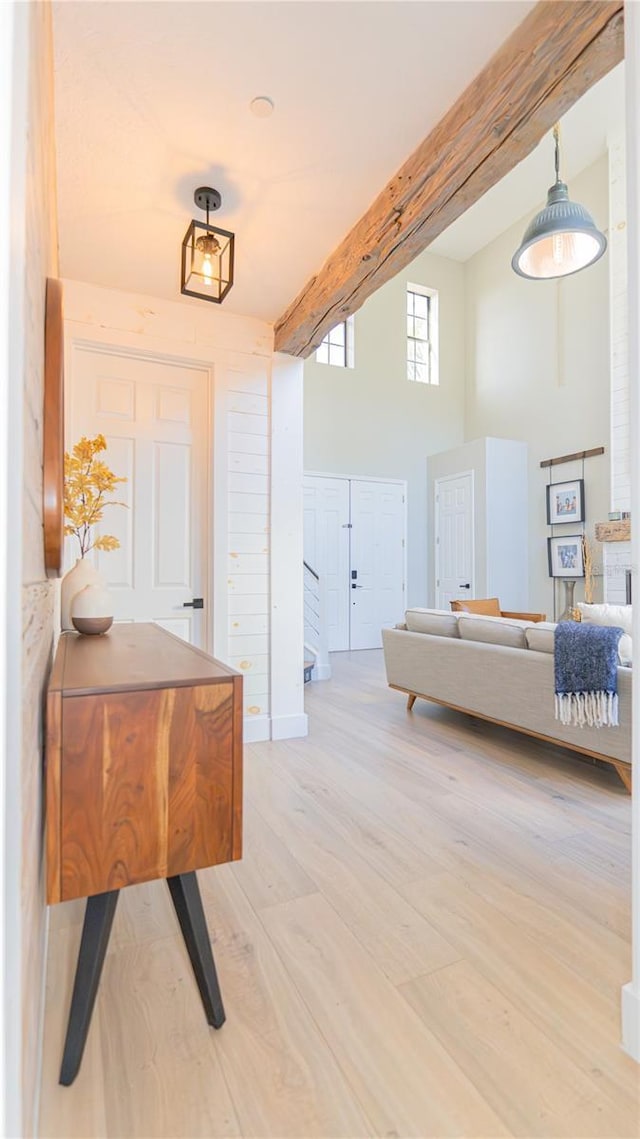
x=92, y=610
x=83, y=573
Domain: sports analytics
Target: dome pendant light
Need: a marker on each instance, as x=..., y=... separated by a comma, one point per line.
x=562, y=239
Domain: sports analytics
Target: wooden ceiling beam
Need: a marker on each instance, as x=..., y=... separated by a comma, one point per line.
x=556, y=54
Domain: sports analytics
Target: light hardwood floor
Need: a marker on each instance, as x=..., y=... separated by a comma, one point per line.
x=427, y=937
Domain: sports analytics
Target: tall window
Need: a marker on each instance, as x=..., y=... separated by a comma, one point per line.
x=422, y=334
x=337, y=346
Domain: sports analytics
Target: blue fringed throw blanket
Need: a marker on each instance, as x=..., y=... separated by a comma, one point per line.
x=586, y=674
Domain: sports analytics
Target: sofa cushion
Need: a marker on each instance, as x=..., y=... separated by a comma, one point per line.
x=618, y=615
x=488, y=606
x=435, y=621
x=494, y=630
x=540, y=637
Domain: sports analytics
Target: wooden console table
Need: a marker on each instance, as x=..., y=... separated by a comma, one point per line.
x=143, y=781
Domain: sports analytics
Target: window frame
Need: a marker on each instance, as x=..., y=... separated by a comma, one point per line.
x=347, y=347
x=432, y=362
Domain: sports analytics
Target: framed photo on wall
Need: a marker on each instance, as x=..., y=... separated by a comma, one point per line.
x=565, y=556
x=565, y=502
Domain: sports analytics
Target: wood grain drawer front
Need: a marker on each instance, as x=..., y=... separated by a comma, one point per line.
x=147, y=785
x=201, y=774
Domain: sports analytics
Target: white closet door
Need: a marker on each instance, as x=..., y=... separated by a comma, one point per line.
x=154, y=416
x=454, y=539
x=377, y=560
x=326, y=549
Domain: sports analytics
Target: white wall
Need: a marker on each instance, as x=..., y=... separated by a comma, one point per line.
x=538, y=370
x=13, y=55
x=26, y=628
x=519, y=360
x=631, y=991
x=255, y=397
x=619, y=326
x=370, y=420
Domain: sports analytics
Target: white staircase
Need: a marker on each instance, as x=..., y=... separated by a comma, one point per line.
x=316, y=652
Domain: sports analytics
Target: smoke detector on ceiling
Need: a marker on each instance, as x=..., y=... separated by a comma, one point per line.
x=262, y=106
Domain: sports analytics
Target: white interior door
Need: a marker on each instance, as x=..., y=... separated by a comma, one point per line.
x=454, y=555
x=377, y=560
x=154, y=416
x=326, y=549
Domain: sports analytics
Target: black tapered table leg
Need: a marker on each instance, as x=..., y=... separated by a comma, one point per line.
x=187, y=902
x=98, y=919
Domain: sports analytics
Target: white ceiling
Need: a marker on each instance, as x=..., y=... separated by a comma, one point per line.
x=584, y=130
x=152, y=100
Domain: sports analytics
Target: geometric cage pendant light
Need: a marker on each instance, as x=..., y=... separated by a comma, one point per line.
x=207, y=253
x=562, y=239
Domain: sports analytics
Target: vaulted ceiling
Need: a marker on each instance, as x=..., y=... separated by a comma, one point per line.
x=592, y=122
x=152, y=100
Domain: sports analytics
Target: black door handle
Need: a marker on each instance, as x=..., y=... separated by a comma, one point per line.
x=197, y=603
x=467, y=586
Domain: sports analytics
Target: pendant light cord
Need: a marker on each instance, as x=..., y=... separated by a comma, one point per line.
x=556, y=137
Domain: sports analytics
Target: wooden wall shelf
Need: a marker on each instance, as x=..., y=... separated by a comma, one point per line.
x=614, y=531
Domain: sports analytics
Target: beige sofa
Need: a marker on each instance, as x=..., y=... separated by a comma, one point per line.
x=500, y=670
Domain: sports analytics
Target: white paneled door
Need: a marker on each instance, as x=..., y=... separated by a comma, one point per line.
x=377, y=560
x=154, y=415
x=354, y=534
x=454, y=555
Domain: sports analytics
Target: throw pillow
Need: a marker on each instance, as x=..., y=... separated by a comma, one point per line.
x=619, y=615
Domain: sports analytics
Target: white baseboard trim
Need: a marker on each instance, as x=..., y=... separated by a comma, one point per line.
x=321, y=672
x=289, y=727
x=631, y=1020
x=256, y=729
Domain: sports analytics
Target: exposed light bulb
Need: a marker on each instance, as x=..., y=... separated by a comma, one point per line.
x=209, y=247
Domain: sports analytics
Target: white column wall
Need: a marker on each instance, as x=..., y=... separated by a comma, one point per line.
x=618, y=320
x=287, y=621
x=631, y=992
x=617, y=555
x=13, y=117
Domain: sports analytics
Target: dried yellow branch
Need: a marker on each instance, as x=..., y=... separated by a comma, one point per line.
x=87, y=483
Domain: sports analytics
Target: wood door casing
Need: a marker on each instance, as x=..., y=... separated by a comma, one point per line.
x=146, y=786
